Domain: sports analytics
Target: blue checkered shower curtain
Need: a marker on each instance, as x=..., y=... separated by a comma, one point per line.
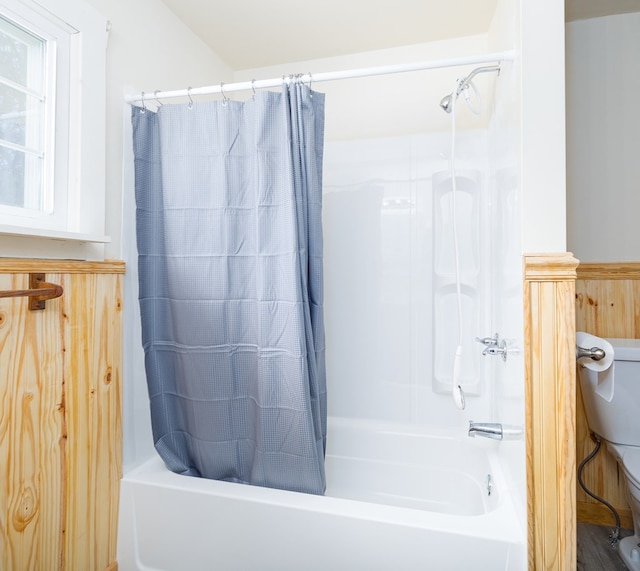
x=229, y=236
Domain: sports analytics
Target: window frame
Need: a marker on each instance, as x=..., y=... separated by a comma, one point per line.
x=79, y=156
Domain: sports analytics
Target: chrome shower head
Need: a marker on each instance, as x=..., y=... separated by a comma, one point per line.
x=446, y=102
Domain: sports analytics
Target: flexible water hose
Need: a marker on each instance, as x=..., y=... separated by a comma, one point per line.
x=456, y=389
x=463, y=85
x=614, y=536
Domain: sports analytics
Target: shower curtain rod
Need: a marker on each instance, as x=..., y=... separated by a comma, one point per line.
x=319, y=77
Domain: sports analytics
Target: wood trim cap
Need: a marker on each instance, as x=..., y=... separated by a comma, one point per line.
x=550, y=267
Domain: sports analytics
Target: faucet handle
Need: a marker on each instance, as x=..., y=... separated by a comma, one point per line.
x=488, y=341
x=494, y=346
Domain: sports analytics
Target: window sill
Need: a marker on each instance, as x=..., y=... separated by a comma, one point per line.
x=53, y=234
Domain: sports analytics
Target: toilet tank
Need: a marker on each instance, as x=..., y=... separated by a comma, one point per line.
x=612, y=397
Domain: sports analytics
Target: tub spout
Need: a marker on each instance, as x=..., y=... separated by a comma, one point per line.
x=495, y=431
x=491, y=430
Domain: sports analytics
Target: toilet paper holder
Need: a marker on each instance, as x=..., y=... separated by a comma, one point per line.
x=594, y=353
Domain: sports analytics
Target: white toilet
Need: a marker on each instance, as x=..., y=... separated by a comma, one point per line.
x=612, y=404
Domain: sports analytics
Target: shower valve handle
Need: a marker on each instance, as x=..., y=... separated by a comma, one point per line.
x=488, y=341
x=494, y=346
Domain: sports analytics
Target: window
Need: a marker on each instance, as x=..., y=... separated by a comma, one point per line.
x=52, y=93
x=23, y=113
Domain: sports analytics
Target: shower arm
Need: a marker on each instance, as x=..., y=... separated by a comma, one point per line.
x=464, y=83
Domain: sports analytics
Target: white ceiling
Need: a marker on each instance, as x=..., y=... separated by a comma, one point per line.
x=254, y=33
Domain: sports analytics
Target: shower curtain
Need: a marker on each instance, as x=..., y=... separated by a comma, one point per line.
x=229, y=236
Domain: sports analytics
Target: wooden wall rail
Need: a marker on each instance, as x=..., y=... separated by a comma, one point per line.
x=549, y=293
x=60, y=428
x=607, y=305
x=609, y=271
x=23, y=265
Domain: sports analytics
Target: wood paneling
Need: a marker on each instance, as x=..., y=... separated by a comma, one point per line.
x=549, y=334
x=32, y=447
x=607, y=305
x=60, y=428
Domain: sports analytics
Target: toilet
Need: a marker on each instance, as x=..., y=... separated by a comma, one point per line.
x=612, y=404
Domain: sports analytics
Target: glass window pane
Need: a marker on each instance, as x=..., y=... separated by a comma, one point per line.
x=21, y=56
x=20, y=179
x=21, y=118
x=13, y=115
x=11, y=177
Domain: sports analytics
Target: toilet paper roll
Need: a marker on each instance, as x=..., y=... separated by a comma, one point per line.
x=588, y=341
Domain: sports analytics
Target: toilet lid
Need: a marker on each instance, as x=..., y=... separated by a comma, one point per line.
x=631, y=463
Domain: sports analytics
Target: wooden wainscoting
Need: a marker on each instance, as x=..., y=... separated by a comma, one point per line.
x=60, y=418
x=607, y=305
x=549, y=321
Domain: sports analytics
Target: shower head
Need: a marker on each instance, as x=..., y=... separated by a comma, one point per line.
x=447, y=101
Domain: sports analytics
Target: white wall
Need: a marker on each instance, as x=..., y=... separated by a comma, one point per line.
x=541, y=39
x=603, y=122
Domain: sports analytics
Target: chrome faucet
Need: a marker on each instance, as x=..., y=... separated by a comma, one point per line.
x=494, y=346
x=495, y=430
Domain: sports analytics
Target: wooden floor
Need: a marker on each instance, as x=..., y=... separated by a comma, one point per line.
x=594, y=552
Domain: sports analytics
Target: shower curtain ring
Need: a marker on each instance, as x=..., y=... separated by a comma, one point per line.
x=144, y=107
x=225, y=98
x=189, y=96
x=310, y=80
x=253, y=88
x=155, y=93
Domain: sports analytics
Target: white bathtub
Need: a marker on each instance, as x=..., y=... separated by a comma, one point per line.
x=397, y=499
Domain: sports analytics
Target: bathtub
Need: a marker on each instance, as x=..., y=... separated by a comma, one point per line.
x=398, y=499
